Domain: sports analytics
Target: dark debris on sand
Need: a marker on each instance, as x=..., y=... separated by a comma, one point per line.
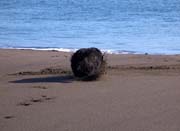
x=40, y=87
x=46, y=71
x=158, y=67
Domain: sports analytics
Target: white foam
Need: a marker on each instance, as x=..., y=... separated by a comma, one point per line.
x=57, y=49
x=108, y=51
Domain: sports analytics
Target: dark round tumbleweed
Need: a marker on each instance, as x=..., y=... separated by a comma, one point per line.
x=88, y=63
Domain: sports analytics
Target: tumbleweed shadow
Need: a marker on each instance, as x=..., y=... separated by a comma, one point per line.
x=51, y=79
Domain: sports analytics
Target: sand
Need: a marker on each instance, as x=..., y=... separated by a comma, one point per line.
x=39, y=93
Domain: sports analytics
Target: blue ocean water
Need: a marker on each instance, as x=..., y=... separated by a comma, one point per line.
x=134, y=26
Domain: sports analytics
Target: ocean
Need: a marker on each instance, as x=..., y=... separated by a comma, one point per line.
x=114, y=26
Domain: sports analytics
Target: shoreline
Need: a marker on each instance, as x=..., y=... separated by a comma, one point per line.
x=39, y=93
x=70, y=50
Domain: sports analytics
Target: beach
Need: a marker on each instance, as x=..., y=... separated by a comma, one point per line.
x=38, y=92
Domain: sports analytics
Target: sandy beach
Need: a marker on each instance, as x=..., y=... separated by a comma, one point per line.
x=39, y=93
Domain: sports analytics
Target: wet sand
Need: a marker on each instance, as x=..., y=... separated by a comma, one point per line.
x=39, y=93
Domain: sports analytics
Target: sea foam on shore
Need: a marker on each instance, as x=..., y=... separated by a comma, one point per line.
x=108, y=51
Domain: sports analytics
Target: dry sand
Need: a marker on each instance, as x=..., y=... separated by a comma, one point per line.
x=39, y=93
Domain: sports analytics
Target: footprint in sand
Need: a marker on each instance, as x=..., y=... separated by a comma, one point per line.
x=25, y=103
x=43, y=98
x=9, y=117
x=36, y=100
